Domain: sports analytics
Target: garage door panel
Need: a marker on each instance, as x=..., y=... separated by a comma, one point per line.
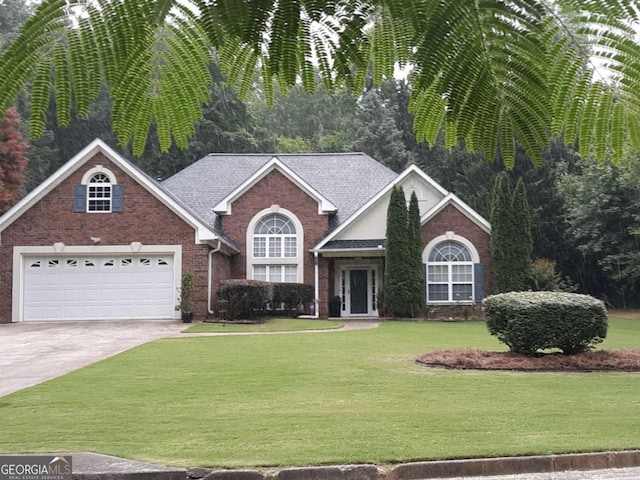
x=82, y=287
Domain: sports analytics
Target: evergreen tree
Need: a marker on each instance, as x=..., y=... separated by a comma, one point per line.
x=377, y=134
x=602, y=207
x=414, y=270
x=511, y=242
x=320, y=121
x=501, y=233
x=12, y=160
x=522, y=243
x=397, y=253
x=13, y=14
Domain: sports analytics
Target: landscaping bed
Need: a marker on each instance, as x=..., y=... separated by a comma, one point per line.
x=602, y=360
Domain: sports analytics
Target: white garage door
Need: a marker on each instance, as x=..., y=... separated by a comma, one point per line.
x=99, y=287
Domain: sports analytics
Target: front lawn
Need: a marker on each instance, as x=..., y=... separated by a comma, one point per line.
x=340, y=397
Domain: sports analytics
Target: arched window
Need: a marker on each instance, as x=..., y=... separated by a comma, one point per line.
x=275, y=237
x=98, y=193
x=450, y=273
x=275, y=248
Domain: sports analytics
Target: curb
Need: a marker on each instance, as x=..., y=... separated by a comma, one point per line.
x=92, y=466
x=438, y=469
x=514, y=465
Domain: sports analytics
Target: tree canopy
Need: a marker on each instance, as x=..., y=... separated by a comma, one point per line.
x=12, y=160
x=494, y=73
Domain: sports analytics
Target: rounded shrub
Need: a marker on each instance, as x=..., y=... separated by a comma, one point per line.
x=528, y=322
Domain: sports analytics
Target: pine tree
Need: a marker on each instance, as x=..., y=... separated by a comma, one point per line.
x=414, y=267
x=12, y=160
x=377, y=134
x=397, y=254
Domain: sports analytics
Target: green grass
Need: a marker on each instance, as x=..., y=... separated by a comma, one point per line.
x=271, y=325
x=335, y=397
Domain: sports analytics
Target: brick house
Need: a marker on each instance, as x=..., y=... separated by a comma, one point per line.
x=100, y=239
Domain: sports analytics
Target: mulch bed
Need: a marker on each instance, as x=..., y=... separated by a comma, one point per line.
x=601, y=360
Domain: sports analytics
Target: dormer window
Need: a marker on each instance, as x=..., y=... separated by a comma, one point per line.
x=98, y=193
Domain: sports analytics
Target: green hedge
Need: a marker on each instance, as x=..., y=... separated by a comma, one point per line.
x=246, y=299
x=528, y=322
x=243, y=299
x=291, y=295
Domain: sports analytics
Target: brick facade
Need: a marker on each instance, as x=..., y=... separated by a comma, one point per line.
x=147, y=220
x=450, y=219
x=144, y=219
x=276, y=189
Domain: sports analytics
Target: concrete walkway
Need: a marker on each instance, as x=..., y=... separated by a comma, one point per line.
x=348, y=325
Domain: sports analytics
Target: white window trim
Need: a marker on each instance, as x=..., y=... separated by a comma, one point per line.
x=86, y=180
x=475, y=258
x=283, y=273
x=98, y=169
x=90, y=197
x=297, y=260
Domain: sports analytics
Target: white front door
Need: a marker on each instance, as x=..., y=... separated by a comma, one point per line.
x=88, y=287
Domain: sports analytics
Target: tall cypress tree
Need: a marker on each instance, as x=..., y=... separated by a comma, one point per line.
x=501, y=233
x=397, y=254
x=414, y=270
x=522, y=242
x=511, y=242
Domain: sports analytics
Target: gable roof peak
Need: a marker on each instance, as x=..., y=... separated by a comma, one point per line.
x=203, y=233
x=324, y=204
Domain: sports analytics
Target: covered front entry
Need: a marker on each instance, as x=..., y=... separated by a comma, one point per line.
x=358, y=289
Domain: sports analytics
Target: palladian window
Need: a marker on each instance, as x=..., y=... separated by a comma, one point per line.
x=450, y=273
x=275, y=249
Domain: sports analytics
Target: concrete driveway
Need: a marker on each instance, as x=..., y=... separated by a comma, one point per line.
x=31, y=353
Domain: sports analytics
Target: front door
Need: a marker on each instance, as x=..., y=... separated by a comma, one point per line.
x=359, y=292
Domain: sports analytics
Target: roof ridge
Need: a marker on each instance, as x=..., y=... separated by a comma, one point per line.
x=301, y=154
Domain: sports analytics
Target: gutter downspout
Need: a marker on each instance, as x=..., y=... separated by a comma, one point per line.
x=316, y=275
x=210, y=272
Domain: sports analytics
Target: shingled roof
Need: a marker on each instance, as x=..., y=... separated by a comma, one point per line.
x=348, y=180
